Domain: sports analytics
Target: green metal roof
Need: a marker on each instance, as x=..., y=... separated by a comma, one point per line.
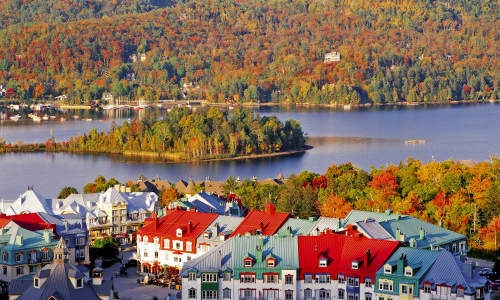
x=295, y=227
x=283, y=249
x=409, y=226
x=419, y=259
x=30, y=239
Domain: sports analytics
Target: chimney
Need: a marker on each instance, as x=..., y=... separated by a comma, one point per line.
x=398, y=234
x=401, y=263
x=261, y=226
x=422, y=233
x=258, y=254
x=270, y=209
x=155, y=221
x=190, y=226
x=65, y=225
x=217, y=227
x=367, y=257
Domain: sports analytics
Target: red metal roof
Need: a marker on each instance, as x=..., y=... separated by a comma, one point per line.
x=268, y=221
x=30, y=221
x=340, y=250
x=166, y=227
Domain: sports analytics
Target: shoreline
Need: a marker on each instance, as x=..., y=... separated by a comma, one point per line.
x=172, y=158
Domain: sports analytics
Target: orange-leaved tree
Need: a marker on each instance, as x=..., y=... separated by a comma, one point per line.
x=334, y=206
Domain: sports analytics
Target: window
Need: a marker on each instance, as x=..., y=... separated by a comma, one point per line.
x=352, y=281
x=247, y=278
x=179, y=232
x=288, y=279
x=341, y=278
x=308, y=294
x=288, y=295
x=166, y=243
x=443, y=291
x=385, y=285
x=36, y=282
x=156, y=254
x=5, y=256
x=192, y=276
x=226, y=276
x=308, y=278
x=20, y=270
x=145, y=239
x=460, y=292
x=156, y=240
x=322, y=278
x=189, y=246
x=270, y=294
x=226, y=293
x=271, y=263
x=270, y=278
x=4, y=269
x=19, y=257
x=368, y=282
x=206, y=235
x=178, y=246
x=354, y=265
x=208, y=294
x=145, y=253
x=79, y=283
x=324, y=294
x=388, y=269
x=248, y=262
x=208, y=277
x=192, y=293
x=341, y=294
x=427, y=287
x=247, y=294
x=32, y=269
x=368, y=296
x=188, y=258
x=222, y=236
x=323, y=262
x=408, y=271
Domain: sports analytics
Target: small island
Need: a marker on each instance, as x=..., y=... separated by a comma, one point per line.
x=186, y=135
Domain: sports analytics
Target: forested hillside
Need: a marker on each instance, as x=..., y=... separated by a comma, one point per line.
x=391, y=51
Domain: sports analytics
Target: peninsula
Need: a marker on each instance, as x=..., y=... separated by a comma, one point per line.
x=186, y=135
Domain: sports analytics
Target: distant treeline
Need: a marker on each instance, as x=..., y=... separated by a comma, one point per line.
x=256, y=50
x=185, y=134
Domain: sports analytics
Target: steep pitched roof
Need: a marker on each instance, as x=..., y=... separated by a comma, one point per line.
x=325, y=223
x=29, y=201
x=268, y=221
x=373, y=229
x=168, y=225
x=419, y=259
x=295, y=226
x=448, y=270
x=217, y=259
x=340, y=250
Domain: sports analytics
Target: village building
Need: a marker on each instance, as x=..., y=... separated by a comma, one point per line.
x=258, y=222
x=400, y=277
x=70, y=227
x=218, y=232
x=451, y=277
x=171, y=240
x=24, y=251
x=411, y=231
x=210, y=203
x=61, y=280
x=332, y=57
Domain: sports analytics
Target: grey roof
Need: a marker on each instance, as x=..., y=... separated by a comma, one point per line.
x=325, y=223
x=373, y=230
x=217, y=259
x=447, y=269
x=227, y=224
x=104, y=288
x=17, y=287
x=295, y=226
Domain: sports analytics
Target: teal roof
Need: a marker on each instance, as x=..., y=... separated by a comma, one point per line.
x=30, y=239
x=283, y=249
x=297, y=227
x=419, y=259
x=409, y=226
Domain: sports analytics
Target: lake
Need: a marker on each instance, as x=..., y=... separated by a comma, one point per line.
x=365, y=137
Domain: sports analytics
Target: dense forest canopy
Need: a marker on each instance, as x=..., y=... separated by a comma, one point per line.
x=462, y=197
x=391, y=51
x=201, y=134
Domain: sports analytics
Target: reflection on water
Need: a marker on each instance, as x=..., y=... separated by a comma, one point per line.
x=366, y=137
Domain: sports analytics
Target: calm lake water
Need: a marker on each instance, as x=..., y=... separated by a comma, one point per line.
x=367, y=137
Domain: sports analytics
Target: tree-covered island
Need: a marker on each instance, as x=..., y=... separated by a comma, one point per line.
x=184, y=134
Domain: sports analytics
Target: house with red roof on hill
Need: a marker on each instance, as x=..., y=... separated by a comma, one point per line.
x=171, y=240
x=258, y=222
x=341, y=265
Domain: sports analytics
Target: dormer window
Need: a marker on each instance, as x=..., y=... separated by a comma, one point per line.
x=323, y=262
x=408, y=271
x=79, y=283
x=206, y=235
x=179, y=232
x=36, y=282
x=460, y=292
x=248, y=262
x=156, y=240
x=388, y=269
x=354, y=265
x=271, y=262
x=222, y=236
